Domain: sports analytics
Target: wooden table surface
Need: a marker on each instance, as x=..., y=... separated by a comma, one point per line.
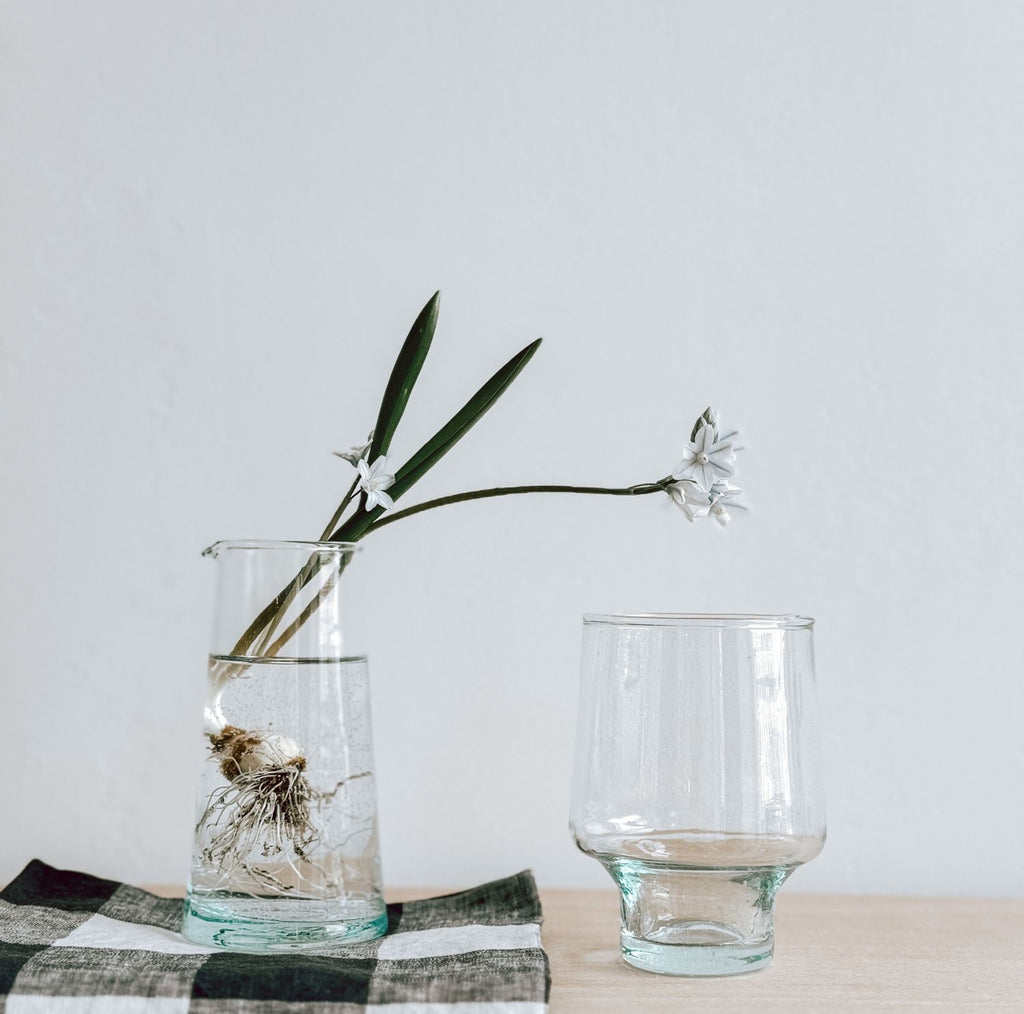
x=833, y=954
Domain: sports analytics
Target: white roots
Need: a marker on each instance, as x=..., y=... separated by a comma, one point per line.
x=259, y=813
x=266, y=811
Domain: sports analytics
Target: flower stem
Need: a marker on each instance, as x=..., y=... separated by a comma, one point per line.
x=341, y=510
x=265, y=625
x=311, y=607
x=482, y=494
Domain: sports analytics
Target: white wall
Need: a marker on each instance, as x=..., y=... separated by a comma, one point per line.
x=219, y=220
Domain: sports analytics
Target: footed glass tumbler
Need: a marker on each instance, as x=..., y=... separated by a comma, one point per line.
x=697, y=781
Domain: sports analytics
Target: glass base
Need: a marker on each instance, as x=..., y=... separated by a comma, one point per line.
x=680, y=920
x=695, y=959
x=214, y=924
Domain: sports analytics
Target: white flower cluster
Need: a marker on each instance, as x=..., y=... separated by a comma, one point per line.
x=373, y=479
x=702, y=483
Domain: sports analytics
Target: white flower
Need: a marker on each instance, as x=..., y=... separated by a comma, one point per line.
x=374, y=480
x=723, y=497
x=696, y=503
x=693, y=501
x=708, y=459
x=353, y=454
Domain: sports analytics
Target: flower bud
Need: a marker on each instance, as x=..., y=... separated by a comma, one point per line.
x=708, y=417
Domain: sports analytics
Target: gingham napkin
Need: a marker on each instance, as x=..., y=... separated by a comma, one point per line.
x=70, y=942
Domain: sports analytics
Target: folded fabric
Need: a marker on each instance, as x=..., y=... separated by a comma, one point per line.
x=70, y=942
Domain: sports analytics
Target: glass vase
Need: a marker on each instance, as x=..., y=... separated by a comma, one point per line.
x=285, y=851
x=697, y=781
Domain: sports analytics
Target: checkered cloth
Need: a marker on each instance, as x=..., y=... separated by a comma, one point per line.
x=70, y=942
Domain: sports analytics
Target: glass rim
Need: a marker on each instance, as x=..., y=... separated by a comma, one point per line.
x=780, y=621
x=216, y=548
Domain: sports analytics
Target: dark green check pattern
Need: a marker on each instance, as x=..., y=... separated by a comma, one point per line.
x=95, y=945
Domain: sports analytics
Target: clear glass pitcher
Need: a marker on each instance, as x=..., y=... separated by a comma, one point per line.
x=697, y=781
x=286, y=850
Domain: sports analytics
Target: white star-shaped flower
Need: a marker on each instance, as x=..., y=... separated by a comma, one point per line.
x=693, y=501
x=373, y=480
x=708, y=459
x=724, y=496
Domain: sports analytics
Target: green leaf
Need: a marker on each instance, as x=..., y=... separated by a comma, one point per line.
x=442, y=441
x=461, y=423
x=403, y=377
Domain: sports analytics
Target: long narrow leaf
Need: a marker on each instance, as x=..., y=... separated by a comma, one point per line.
x=461, y=423
x=403, y=377
x=442, y=441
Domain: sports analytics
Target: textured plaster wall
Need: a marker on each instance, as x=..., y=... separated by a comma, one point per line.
x=218, y=221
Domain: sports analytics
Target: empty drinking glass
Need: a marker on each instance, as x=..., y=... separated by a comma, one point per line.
x=697, y=781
